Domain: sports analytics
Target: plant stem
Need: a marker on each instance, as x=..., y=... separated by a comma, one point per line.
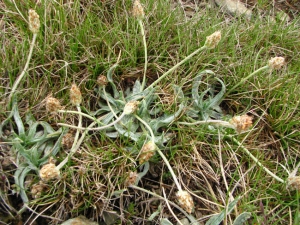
x=160, y=153
x=145, y=52
x=147, y=126
x=247, y=78
x=79, y=113
x=214, y=122
x=75, y=147
x=176, y=66
x=77, y=131
x=94, y=129
x=256, y=160
x=170, y=168
x=20, y=77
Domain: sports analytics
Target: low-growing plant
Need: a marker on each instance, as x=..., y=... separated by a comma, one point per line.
x=32, y=142
x=138, y=115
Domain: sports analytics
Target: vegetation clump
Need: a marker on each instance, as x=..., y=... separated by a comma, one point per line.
x=201, y=131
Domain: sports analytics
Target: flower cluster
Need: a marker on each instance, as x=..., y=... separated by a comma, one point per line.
x=34, y=21
x=75, y=95
x=49, y=172
x=213, y=40
x=293, y=183
x=37, y=189
x=102, y=80
x=276, y=63
x=130, y=107
x=68, y=140
x=138, y=10
x=147, y=152
x=131, y=179
x=185, y=200
x=52, y=104
x=241, y=123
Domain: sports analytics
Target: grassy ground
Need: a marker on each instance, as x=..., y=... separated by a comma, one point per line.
x=80, y=40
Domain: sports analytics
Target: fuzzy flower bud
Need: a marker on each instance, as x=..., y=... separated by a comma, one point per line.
x=241, y=123
x=102, y=80
x=131, y=179
x=52, y=104
x=37, y=189
x=138, y=10
x=34, y=21
x=49, y=172
x=294, y=183
x=185, y=200
x=213, y=40
x=276, y=63
x=75, y=95
x=131, y=107
x=67, y=140
x=147, y=152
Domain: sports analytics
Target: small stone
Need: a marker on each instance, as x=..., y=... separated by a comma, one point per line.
x=235, y=7
x=184, y=221
x=80, y=220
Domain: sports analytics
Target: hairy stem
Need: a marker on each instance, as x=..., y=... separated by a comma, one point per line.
x=213, y=122
x=79, y=113
x=145, y=52
x=96, y=128
x=161, y=154
x=176, y=66
x=75, y=147
x=147, y=126
x=247, y=78
x=256, y=160
x=20, y=77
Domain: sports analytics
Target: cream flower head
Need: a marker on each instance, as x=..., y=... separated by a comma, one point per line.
x=49, y=172
x=147, y=152
x=185, y=200
x=131, y=107
x=138, y=10
x=276, y=63
x=34, y=21
x=213, y=40
x=241, y=123
x=75, y=95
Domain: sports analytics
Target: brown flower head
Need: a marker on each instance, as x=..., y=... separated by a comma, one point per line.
x=131, y=179
x=294, y=183
x=49, y=172
x=276, y=63
x=185, y=200
x=52, y=104
x=102, y=80
x=37, y=189
x=34, y=21
x=138, y=10
x=75, y=95
x=213, y=40
x=67, y=140
x=147, y=152
x=241, y=123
